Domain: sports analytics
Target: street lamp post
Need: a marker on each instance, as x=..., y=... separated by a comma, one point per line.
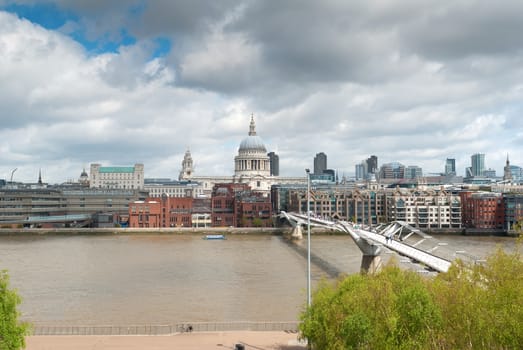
x=12, y=173
x=308, y=237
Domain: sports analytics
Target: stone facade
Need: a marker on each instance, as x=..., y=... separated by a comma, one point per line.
x=117, y=177
x=251, y=167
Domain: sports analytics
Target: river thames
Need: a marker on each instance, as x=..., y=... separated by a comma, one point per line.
x=155, y=279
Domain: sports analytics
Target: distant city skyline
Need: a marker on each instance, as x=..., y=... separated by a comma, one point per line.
x=124, y=82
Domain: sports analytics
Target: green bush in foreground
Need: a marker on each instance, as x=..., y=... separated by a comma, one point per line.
x=12, y=332
x=469, y=307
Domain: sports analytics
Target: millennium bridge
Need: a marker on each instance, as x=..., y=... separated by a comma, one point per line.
x=407, y=241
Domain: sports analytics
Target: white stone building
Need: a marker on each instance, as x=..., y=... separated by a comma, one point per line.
x=159, y=187
x=121, y=177
x=425, y=208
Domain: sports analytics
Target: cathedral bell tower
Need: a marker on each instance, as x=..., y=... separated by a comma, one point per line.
x=187, y=167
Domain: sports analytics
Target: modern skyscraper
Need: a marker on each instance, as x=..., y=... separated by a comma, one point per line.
x=392, y=170
x=413, y=172
x=320, y=163
x=274, y=161
x=360, y=170
x=450, y=166
x=478, y=164
x=372, y=165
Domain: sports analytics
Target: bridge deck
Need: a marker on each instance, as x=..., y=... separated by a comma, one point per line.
x=435, y=262
x=417, y=255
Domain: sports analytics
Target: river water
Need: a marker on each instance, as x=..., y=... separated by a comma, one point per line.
x=155, y=279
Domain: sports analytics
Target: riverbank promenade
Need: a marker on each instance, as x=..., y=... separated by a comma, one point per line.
x=259, y=340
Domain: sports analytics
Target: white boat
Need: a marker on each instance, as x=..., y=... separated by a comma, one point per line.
x=214, y=237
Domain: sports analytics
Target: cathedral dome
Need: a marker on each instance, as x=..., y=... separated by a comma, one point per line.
x=252, y=143
x=252, y=159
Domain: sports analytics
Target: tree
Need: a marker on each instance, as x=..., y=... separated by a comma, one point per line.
x=389, y=310
x=472, y=306
x=12, y=331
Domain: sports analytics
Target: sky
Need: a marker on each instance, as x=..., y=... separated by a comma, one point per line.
x=119, y=82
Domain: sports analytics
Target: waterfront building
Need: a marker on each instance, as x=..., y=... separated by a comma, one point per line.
x=237, y=206
x=367, y=207
x=340, y=202
x=201, y=212
x=164, y=211
x=16, y=205
x=117, y=177
x=429, y=209
x=482, y=210
x=57, y=205
x=450, y=166
x=145, y=214
x=274, y=161
x=425, y=209
x=513, y=210
x=252, y=210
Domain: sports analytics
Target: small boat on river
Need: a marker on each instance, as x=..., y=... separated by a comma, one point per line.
x=214, y=237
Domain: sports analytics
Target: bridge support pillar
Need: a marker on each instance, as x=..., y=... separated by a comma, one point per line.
x=297, y=232
x=370, y=264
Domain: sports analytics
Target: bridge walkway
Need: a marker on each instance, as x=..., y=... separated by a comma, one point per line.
x=384, y=238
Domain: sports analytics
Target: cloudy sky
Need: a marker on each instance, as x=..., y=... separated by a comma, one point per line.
x=120, y=82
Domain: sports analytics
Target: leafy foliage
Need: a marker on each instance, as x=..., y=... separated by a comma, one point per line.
x=471, y=306
x=12, y=332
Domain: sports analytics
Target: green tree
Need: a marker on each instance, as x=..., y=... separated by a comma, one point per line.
x=472, y=306
x=389, y=310
x=482, y=303
x=12, y=331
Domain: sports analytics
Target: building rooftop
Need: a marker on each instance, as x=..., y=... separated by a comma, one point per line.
x=116, y=169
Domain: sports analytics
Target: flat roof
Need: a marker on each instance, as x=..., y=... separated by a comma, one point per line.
x=116, y=169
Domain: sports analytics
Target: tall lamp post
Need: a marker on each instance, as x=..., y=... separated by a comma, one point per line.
x=12, y=173
x=308, y=237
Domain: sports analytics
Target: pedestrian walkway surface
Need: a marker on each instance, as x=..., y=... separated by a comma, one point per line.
x=251, y=340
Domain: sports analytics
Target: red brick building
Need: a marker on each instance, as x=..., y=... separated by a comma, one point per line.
x=482, y=210
x=236, y=205
x=161, y=212
x=145, y=213
x=253, y=210
x=222, y=204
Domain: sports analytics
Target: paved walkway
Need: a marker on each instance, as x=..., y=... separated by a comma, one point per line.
x=251, y=340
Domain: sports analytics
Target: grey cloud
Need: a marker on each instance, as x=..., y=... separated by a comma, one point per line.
x=464, y=28
x=179, y=17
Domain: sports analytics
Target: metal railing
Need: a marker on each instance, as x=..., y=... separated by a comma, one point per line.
x=164, y=329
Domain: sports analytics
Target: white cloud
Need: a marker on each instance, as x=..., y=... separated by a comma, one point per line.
x=409, y=82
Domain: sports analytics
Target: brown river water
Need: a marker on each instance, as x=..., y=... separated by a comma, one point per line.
x=155, y=279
